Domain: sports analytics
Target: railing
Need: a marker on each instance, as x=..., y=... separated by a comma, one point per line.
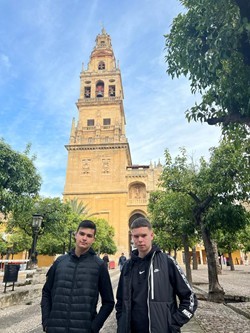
x=98, y=127
x=99, y=99
x=136, y=202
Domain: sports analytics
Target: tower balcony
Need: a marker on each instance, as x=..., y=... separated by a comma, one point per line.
x=137, y=202
x=98, y=100
x=101, y=128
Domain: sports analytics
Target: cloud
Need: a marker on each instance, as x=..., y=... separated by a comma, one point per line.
x=5, y=61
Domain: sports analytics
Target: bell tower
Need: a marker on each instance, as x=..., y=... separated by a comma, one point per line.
x=99, y=172
x=98, y=150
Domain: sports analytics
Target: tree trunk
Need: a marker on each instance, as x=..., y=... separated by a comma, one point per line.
x=232, y=268
x=195, y=261
x=215, y=249
x=187, y=258
x=175, y=252
x=216, y=292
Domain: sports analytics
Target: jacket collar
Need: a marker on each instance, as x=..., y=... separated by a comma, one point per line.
x=135, y=253
x=90, y=251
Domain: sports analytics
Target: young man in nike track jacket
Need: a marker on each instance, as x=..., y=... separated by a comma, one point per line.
x=148, y=286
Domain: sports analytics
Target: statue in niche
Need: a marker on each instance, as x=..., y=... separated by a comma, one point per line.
x=137, y=191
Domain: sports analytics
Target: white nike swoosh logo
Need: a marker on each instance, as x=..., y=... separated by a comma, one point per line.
x=141, y=272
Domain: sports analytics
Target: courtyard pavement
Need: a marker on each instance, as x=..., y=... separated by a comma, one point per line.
x=231, y=317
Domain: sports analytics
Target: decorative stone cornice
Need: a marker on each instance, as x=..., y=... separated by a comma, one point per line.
x=96, y=147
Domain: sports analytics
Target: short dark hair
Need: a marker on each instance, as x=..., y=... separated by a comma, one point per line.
x=141, y=222
x=87, y=224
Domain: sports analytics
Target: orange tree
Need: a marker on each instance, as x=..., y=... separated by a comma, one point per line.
x=209, y=43
x=223, y=179
x=19, y=179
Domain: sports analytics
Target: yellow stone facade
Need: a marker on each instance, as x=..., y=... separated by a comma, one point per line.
x=100, y=172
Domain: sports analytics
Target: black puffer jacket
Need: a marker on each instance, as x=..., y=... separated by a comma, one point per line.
x=166, y=280
x=70, y=294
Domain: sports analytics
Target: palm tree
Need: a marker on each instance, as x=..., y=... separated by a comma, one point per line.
x=78, y=207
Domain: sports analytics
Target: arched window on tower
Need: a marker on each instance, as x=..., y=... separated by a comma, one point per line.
x=112, y=91
x=100, y=89
x=87, y=92
x=101, y=65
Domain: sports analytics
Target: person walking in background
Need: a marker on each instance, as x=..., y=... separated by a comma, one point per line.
x=148, y=286
x=122, y=261
x=74, y=282
x=106, y=260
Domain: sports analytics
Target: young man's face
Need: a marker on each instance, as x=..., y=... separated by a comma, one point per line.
x=84, y=237
x=142, y=238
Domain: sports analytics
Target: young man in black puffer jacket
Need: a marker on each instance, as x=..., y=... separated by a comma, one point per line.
x=148, y=286
x=72, y=288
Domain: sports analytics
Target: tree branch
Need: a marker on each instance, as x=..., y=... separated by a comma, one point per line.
x=231, y=118
x=244, y=7
x=194, y=197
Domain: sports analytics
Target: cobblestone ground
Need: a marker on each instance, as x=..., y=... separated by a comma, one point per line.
x=209, y=317
x=218, y=318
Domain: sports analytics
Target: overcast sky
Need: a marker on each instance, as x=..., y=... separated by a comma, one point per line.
x=43, y=45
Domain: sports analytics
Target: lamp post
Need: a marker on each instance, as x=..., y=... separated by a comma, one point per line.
x=36, y=225
x=70, y=238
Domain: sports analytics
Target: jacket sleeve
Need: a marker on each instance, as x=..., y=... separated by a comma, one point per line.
x=119, y=298
x=107, y=299
x=46, y=301
x=188, y=301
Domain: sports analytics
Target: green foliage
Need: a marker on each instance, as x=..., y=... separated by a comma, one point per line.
x=166, y=241
x=227, y=221
x=210, y=44
x=18, y=240
x=228, y=217
x=59, y=220
x=171, y=216
x=244, y=236
x=224, y=177
x=19, y=180
x=227, y=242
x=215, y=187
x=49, y=244
x=104, y=242
x=3, y=245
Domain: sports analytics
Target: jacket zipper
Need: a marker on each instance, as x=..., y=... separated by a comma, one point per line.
x=150, y=288
x=72, y=287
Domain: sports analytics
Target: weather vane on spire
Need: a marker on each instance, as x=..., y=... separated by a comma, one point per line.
x=103, y=29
